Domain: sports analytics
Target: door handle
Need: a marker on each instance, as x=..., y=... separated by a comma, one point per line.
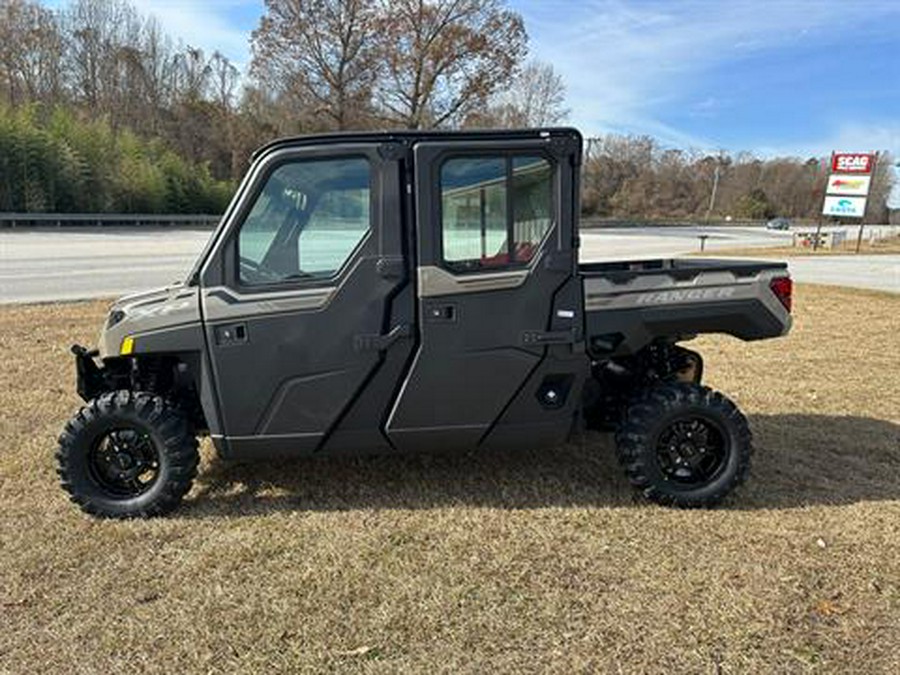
x=435, y=313
x=231, y=334
x=374, y=342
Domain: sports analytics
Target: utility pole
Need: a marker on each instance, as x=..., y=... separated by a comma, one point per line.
x=715, y=188
x=824, y=193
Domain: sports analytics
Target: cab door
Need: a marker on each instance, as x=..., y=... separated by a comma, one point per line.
x=302, y=298
x=496, y=253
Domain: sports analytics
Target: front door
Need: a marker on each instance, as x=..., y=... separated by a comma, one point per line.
x=302, y=298
x=496, y=260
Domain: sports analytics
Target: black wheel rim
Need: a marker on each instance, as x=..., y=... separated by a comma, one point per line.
x=124, y=462
x=692, y=451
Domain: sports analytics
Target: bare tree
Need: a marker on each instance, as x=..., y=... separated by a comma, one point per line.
x=30, y=53
x=99, y=31
x=882, y=185
x=159, y=68
x=443, y=59
x=536, y=98
x=224, y=78
x=322, y=51
x=194, y=73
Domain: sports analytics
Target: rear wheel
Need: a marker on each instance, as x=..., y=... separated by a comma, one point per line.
x=127, y=455
x=684, y=445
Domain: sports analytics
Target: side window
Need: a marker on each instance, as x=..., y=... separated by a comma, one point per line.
x=495, y=211
x=306, y=221
x=532, y=198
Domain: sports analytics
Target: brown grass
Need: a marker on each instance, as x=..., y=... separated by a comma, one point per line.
x=887, y=246
x=523, y=562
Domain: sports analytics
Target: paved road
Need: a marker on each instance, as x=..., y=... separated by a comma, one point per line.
x=878, y=272
x=659, y=242
x=68, y=264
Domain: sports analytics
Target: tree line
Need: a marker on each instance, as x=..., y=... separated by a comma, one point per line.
x=101, y=110
x=634, y=177
x=58, y=162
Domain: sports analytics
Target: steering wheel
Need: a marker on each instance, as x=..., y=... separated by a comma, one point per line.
x=253, y=272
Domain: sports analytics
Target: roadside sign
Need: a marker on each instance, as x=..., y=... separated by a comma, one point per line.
x=846, y=207
x=848, y=184
x=847, y=189
x=852, y=162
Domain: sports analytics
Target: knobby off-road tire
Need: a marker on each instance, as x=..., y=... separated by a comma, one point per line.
x=684, y=445
x=127, y=455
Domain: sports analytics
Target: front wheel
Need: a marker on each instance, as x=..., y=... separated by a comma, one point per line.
x=127, y=455
x=684, y=445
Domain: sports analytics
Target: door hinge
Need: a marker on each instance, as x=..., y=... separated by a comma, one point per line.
x=391, y=267
x=366, y=342
x=560, y=261
x=392, y=151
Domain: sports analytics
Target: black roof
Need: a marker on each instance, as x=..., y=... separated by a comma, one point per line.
x=414, y=135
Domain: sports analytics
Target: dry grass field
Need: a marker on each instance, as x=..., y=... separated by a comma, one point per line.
x=526, y=562
x=887, y=246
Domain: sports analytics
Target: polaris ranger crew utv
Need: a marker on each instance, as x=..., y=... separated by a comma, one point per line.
x=406, y=292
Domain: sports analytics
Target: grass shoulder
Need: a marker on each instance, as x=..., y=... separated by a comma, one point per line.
x=890, y=246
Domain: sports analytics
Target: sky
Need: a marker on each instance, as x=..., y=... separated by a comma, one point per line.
x=787, y=77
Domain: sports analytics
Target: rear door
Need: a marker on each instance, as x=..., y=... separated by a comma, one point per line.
x=302, y=297
x=495, y=247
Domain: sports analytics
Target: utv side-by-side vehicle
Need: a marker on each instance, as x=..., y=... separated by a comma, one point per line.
x=414, y=292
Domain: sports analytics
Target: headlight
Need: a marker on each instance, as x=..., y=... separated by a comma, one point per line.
x=115, y=317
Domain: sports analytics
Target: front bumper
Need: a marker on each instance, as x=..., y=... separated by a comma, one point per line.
x=89, y=380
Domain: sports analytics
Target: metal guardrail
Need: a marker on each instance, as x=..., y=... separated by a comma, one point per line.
x=592, y=222
x=106, y=220
x=589, y=222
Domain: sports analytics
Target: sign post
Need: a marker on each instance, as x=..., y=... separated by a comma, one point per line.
x=868, y=185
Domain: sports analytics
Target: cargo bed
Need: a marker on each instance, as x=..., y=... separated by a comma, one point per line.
x=629, y=303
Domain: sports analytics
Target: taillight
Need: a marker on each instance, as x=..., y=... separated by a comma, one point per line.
x=782, y=287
